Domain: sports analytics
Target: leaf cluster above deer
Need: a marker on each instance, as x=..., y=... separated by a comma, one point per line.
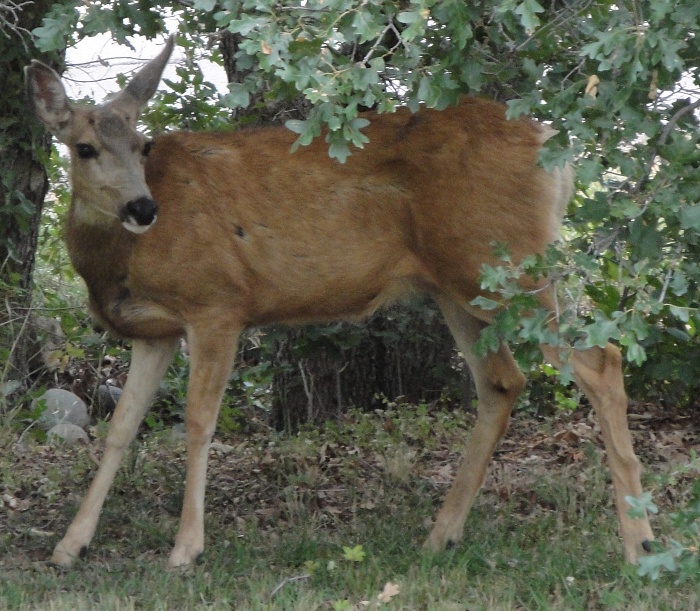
x=204, y=234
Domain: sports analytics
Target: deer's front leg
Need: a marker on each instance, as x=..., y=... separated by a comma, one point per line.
x=212, y=351
x=149, y=362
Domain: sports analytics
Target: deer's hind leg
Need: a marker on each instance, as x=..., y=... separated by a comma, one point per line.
x=498, y=384
x=598, y=372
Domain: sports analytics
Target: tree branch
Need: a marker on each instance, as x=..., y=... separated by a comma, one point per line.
x=665, y=133
x=9, y=19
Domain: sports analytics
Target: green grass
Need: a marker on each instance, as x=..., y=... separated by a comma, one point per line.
x=281, y=510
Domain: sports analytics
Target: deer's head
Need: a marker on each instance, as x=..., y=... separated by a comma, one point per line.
x=107, y=152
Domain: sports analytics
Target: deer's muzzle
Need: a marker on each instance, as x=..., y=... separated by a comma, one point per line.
x=139, y=214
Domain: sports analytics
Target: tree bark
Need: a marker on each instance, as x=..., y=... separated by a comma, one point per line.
x=262, y=110
x=23, y=186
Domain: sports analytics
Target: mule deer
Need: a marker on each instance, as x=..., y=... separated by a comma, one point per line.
x=205, y=234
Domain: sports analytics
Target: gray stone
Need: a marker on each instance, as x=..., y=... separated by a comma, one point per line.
x=106, y=399
x=67, y=433
x=61, y=407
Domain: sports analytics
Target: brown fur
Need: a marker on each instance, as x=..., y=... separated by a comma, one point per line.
x=248, y=234
x=274, y=237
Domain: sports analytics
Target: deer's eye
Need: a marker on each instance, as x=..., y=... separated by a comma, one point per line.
x=147, y=148
x=86, y=151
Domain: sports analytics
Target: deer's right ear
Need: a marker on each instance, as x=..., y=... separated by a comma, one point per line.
x=48, y=97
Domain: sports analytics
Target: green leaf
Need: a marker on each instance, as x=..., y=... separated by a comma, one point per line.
x=636, y=354
x=364, y=26
x=409, y=17
x=640, y=505
x=58, y=26
x=485, y=303
x=536, y=328
x=238, y=96
x=354, y=554
x=416, y=21
x=297, y=126
x=471, y=73
x=679, y=283
x=601, y=331
x=690, y=217
x=494, y=278
x=518, y=107
x=528, y=14
x=248, y=24
x=204, y=5
x=682, y=314
x=339, y=150
x=362, y=78
x=651, y=566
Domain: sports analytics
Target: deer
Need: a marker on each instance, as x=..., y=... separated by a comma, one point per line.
x=203, y=235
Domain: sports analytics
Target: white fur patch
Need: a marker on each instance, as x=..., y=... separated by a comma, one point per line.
x=131, y=225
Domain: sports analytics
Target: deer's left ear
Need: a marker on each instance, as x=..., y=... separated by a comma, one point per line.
x=48, y=98
x=144, y=84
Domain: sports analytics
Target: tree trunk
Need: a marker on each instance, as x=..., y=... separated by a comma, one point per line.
x=262, y=109
x=23, y=186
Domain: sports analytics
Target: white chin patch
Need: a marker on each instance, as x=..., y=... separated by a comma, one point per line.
x=134, y=227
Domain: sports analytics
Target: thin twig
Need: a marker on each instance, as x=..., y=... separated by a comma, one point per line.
x=558, y=20
x=338, y=390
x=308, y=390
x=24, y=432
x=390, y=27
x=674, y=119
x=9, y=20
x=287, y=580
x=669, y=273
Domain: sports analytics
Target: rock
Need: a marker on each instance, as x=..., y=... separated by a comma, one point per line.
x=178, y=431
x=67, y=433
x=61, y=407
x=106, y=399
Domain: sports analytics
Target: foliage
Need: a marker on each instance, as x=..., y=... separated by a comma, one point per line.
x=619, y=79
x=681, y=557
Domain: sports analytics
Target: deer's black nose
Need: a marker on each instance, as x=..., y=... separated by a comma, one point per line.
x=140, y=212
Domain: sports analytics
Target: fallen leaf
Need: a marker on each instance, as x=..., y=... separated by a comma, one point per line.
x=13, y=503
x=390, y=590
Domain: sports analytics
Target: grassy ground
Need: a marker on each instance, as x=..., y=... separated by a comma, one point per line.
x=334, y=519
